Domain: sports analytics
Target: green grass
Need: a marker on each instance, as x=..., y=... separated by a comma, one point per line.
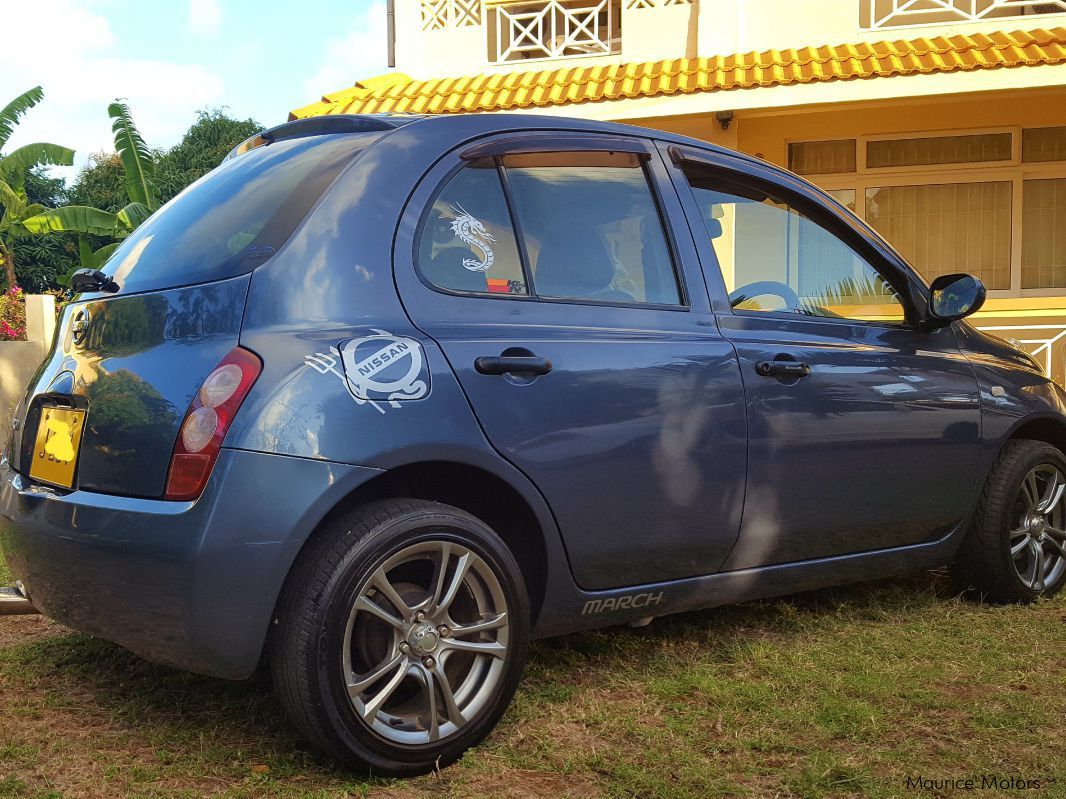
x=846, y=692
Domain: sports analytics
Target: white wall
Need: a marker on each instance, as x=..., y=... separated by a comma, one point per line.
x=702, y=28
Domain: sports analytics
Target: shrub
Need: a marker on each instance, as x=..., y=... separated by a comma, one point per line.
x=12, y=315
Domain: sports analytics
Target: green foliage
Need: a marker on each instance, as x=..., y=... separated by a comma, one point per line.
x=100, y=184
x=76, y=219
x=15, y=168
x=138, y=162
x=9, y=116
x=200, y=150
x=44, y=190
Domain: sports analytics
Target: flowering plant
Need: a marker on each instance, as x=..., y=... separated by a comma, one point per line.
x=12, y=315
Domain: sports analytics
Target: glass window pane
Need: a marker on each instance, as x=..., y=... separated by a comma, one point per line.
x=845, y=197
x=822, y=157
x=467, y=242
x=591, y=227
x=939, y=150
x=1044, y=234
x=775, y=259
x=235, y=217
x=946, y=228
x=1044, y=144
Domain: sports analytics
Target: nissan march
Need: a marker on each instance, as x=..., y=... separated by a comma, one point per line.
x=380, y=399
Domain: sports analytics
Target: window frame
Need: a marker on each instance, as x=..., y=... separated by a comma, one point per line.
x=821, y=209
x=500, y=147
x=1014, y=171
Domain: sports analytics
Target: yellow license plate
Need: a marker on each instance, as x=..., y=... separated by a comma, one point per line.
x=56, y=450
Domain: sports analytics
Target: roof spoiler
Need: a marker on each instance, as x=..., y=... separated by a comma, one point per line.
x=320, y=125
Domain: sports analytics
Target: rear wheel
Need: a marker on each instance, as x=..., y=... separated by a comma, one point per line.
x=1016, y=549
x=401, y=637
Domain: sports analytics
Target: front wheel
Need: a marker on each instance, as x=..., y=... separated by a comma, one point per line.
x=401, y=637
x=1016, y=548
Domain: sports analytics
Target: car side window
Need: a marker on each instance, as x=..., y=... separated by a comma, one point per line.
x=591, y=227
x=774, y=258
x=467, y=242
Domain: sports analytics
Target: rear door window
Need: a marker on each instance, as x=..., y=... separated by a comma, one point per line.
x=591, y=227
x=234, y=218
x=575, y=225
x=468, y=243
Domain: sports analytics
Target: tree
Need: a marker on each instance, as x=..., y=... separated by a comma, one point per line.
x=201, y=149
x=18, y=208
x=138, y=167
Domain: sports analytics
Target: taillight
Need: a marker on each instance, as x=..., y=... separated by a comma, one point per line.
x=206, y=422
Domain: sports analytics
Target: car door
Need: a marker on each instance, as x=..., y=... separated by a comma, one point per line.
x=546, y=270
x=864, y=428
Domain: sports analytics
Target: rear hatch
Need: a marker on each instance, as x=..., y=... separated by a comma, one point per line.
x=125, y=365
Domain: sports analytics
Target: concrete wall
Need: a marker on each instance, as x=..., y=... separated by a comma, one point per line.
x=20, y=359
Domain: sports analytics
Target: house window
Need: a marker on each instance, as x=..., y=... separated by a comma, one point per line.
x=991, y=203
x=931, y=150
x=1044, y=144
x=443, y=14
x=877, y=14
x=554, y=29
x=948, y=227
x=1044, y=234
x=822, y=157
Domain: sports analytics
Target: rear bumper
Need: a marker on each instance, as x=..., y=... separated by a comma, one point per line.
x=189, y=584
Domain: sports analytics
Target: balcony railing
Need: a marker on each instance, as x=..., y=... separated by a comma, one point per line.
x=878, y=14
x=442, y=14
x=555, y=29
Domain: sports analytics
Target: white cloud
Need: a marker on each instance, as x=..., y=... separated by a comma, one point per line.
x=362, y=53
x=204, y=17
x=84, y=71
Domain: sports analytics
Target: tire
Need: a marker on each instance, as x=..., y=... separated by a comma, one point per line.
x=327, y=636
x=998, y=561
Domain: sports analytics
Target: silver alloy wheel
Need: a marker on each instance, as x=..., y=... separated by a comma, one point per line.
x=1038, y=536
x=425, y=643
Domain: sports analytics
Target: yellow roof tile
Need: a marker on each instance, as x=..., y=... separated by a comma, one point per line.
x=396, y=92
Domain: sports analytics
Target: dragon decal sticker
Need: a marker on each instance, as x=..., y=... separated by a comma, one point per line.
x=473, y=234
x=379, y=369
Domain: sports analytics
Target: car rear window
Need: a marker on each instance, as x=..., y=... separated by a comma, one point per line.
x=234, y=218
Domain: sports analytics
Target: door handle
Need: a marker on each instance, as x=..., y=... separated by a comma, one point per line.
x=505, y=364
x=782, y=369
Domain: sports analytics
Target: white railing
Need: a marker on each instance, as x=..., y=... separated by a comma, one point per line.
x=442, y=14
x=556, y=29
x=877, y=14
x=656, y=3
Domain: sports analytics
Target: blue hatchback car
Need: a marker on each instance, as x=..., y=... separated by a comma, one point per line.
x=382, y=398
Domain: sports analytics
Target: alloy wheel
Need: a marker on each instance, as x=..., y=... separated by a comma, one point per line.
x=425, y=642
x=1038, y=535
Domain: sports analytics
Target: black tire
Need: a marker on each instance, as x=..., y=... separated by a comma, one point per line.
x=316, y=611
x=984, y=568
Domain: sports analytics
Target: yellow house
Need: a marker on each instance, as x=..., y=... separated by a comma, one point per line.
x=942, y=123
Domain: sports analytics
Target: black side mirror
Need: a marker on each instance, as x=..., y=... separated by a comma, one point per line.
x=952, y=297
x=92, y=280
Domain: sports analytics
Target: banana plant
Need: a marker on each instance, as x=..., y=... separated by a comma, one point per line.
x=16, y=208
x=139, y=168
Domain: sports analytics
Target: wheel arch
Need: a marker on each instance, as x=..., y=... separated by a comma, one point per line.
x=474, y=489
x=1049, y=429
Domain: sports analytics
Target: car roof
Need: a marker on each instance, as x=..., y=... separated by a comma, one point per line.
x=462, y=126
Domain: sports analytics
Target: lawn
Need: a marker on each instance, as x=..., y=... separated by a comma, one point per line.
x=846, y=692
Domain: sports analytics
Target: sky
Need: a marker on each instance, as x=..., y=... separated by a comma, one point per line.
x=170, y=58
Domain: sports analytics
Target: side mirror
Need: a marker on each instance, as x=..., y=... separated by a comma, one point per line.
x=952, y=297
